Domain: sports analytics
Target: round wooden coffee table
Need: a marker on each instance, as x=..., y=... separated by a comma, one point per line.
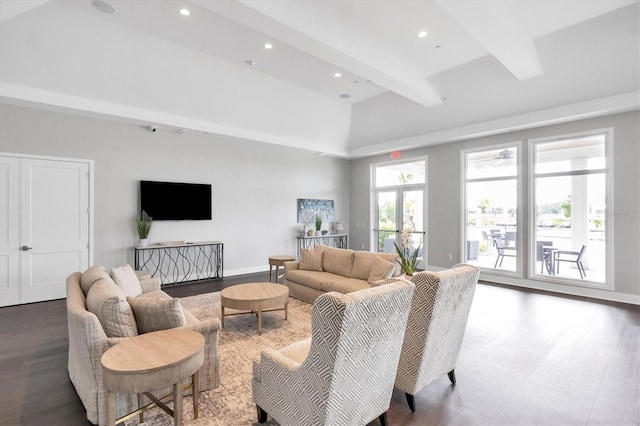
x=153, y=361
x=254, y=298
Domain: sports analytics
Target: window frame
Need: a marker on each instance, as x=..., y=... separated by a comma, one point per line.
x=518, y=273
x=608, y=283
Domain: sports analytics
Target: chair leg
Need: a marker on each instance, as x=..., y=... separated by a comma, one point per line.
x=496, y=264
x=452, y=376
x=411, y=401
x=383, y=419
x=262, y=415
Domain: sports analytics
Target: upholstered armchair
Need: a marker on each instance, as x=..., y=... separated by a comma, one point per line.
x=343, y=374
x=435, y=327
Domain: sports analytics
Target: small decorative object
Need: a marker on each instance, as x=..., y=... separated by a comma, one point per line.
x=310, y=233
x=318, y=224
x=143, y=224
x=408, y=255
x=324, y=232
x=337, y=227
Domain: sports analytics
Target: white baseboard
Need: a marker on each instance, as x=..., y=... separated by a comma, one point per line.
x=592, y=293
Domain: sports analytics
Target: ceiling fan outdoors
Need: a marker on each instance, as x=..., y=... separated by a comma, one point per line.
x=505, y=154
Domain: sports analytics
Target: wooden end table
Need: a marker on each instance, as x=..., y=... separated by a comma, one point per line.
x=279, y=261
x=152, y=361
x=254, y=298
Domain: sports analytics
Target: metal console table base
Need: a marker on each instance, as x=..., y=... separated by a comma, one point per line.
x=180, y=263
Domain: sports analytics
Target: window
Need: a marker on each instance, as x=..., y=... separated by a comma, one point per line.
x=399, y=194
x=570, y=205
x=491, y=205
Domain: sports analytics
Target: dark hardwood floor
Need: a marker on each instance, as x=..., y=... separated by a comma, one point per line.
x=528, y=358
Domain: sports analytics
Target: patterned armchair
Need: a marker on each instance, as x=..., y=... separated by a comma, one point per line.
x=435, y=328
x=343, y=374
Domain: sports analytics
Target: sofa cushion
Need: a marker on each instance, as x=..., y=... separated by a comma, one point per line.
x=311, y=260
x=125, y=277
x=325, y=281
x=108, y=302
x=159, y=294
x=363, y=262
x=337, y=261
x=91, y=276
x=393, y=258
x=380, y=271
x=154, y=314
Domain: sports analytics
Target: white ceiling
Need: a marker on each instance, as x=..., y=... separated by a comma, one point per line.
x=484, y=67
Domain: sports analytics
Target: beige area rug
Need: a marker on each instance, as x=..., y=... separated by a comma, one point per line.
x=231, y=404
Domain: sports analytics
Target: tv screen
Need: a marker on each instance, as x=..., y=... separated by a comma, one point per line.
x=175, y=201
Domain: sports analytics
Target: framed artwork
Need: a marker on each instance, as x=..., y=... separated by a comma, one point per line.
x=308, y=209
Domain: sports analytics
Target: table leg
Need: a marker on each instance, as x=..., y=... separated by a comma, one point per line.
x=286, y=304
x=271, y=271
x=195, y=391
x=259, y=322
x=111, y=407
x=140, y=405
x=277, y=274
x=177, y=404
x=222, y=316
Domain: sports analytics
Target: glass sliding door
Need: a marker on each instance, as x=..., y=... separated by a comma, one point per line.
x=399, y=190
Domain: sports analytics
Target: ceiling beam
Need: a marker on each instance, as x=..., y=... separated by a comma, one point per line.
x=12, y=8
x=317, y=38
x=494, y=26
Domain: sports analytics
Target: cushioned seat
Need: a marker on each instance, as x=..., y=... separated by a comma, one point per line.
x=95, y=300
x=436, y=325
x=344, y=374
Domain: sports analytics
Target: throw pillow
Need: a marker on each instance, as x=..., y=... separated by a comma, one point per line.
x=125, y=277
x=108, y=302
x=311, y=260
x=157, y=314
x=381, y=270
x=395, y=259
x=91, y=276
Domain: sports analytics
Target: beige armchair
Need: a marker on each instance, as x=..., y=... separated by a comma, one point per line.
x=88, y=341
x=344, y=374
x=435, y=328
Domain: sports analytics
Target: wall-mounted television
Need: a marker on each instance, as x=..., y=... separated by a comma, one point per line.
x=175, y=200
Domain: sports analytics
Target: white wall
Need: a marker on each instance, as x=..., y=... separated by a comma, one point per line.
x=444, y=198
x=255, y=186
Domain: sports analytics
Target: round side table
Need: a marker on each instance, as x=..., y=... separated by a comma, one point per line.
x=278, y=261
x=152, y=361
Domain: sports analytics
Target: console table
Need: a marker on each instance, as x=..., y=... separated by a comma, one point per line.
x=331, y=240
x=184, y=262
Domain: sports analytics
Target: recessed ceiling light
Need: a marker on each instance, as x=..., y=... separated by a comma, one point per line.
x=422, y=34
x=337, y=75
x=345, y=96
x=268, y=46
x=103, y=6
x=185, y=12
x=250, y=62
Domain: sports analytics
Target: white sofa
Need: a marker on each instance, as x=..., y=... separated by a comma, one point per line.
x=325, y=269
x=89, y=339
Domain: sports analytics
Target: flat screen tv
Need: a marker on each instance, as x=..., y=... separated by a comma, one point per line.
x=175, y=201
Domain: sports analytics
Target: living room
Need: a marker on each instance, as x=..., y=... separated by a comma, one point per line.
x=255, y=185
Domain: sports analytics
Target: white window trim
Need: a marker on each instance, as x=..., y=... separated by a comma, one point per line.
x=609, y=275
x=518, y=273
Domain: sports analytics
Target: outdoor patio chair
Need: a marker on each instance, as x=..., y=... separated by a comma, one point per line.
x=502, y=252
x=571, y=257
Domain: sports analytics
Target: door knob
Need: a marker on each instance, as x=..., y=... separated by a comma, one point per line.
x=26, y=248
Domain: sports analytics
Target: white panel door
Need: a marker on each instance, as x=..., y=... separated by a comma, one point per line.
x=9, y=231
x=54, y=226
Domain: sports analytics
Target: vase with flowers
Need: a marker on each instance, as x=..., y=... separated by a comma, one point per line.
x=408, y=255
